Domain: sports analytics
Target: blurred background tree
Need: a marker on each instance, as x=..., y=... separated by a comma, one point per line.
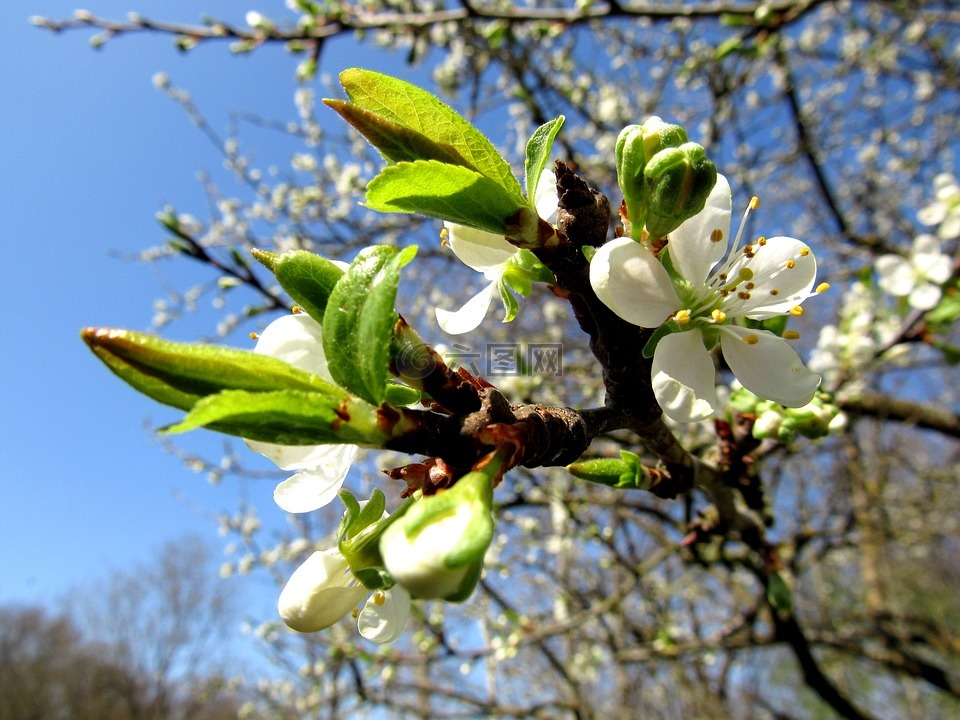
x=840, y=116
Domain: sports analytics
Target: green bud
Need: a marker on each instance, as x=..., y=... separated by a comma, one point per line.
x=436, y=549
x=779, y=594
x=636, y=145
x=678, y=182
x=625, y=472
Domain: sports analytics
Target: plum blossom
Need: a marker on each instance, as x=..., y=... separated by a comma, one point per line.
x=323, y=590
x=917, y=277
x=491, y=255
x=945, y=210
x=707, y=286
x=320, y=469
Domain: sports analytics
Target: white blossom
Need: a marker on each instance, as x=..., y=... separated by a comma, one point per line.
x=709, y=286
x=323, y=590
x=320, y=469
x=489, y=254
x=917, y=277
x=945, y=209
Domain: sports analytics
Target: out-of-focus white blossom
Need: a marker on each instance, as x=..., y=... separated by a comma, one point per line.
x=917, y=277
x=945, y=209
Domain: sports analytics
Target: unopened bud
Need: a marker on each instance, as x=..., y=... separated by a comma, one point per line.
x=678, y=182
x=436, y=549
x=636, y=145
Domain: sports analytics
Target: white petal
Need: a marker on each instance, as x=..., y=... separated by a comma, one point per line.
x=896, y=275
x=297, y=340
x=302, y=457
x=692, y=251
x=319, y=593
x=769, y=367
x=316, y=487
x=784, y=264
x=478, y=249
x=951, y=227
x=546, y=199
x=684, y=377
x=384, y=615
x=932, y=214
x=925, y=296
x=630, y=281
x=925, y=244
x=470, y=315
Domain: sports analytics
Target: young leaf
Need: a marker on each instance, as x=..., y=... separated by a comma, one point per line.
x=359, y=319
x=448, y=192
x=396, y=142
x=180, y=374
x=412, y=107
x=286, y=417
x=308, y=279
x=538, y=154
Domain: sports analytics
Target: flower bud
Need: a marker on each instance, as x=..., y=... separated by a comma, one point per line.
x=624, y=472
x=636, y=145
x=767, y=425
x=436, y=549
x=678, y=182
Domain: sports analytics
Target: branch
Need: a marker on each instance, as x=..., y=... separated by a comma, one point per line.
x=883, y=407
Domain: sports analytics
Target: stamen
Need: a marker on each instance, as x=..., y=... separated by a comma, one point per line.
x=356, y=613
x=751, y=339
x=443, y=237
x=743, y=295
x=791, y=335
x=791, y=264
x=774, y=292
x=379, y=598
x=682, y=316
x=761, y=241
x=796, y=311
x=716, y=236
x=297, y=310
x=254, y=336
x=754, y=203
x=805, y=252
x=718, y=315
x=822, y=288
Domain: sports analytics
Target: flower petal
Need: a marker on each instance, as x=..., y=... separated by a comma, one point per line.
x=317, y=486
x=546, y=199
x=691, y=249
x=297, y=340
x=319, y=593
x=630, y=281
x=783, y=264
x=470, y=315
x=896, y=275
x=925, y=296
x=384, y=615
x=684, y=377
x=478, y=249
x=767, y=366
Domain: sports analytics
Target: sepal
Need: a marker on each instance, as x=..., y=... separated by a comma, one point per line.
x=678, y=182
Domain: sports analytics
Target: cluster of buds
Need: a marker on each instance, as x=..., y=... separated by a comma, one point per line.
x=664, y=178
x=817, y=419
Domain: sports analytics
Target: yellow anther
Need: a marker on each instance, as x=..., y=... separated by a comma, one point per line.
x=822, y=288
x=754, y=202
x=297, y=310
x=761, y=241
x=254, y=336
x=751, y=339
x=682, y=316
x=356, y=613
x=804, y=252
x=443, y=237
x=774, y=292
x=796, y=311
x=718, y=315
x=791, y=264
x=379, y=598
x=791, y=335
x=716, y=236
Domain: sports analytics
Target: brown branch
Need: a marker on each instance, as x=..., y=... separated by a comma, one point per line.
x=921, y=415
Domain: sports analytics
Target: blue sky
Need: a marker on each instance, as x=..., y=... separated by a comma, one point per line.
x=91, y=151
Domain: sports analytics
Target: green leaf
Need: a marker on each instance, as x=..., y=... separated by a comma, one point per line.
x=448, y=192
x=417, y=109
x=396, y=142
x=626, y=472
x=180, y=374
x=308, y=279
x=398, y=394
x=359, y=319
x=287, y=417
x=778, y=592
x=538, y=154
x=510, y=305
